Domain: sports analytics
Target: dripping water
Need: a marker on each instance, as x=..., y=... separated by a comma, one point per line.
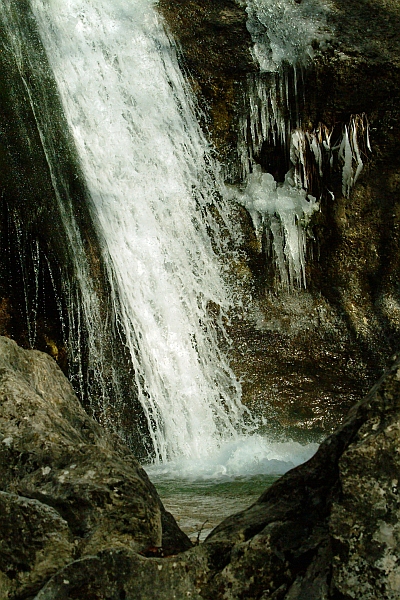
x=76, y=298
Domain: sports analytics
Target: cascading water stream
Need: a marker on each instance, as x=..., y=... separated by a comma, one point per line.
x=78, y=289
x=150, y=178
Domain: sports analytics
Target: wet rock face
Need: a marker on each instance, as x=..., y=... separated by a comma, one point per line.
x=364, y=521
x=46, y=223
x=358, y=237
x=328, y=529
x=39, y=169
x=68, y=489
x=215, y=51
x=79, y=518
x=353, y=260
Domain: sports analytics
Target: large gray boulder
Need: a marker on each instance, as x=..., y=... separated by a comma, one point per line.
x=68, y=488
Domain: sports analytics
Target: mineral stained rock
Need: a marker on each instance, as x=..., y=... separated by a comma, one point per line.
x=349, y=315
x=80, y=519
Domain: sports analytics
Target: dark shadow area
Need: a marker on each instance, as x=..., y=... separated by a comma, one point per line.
x=48, y=241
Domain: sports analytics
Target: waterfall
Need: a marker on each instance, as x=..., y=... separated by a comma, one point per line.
x=71, y=281
x=154, y=192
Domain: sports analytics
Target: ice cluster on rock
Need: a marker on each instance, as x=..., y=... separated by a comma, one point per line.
x=286, y=31
x=281, y=211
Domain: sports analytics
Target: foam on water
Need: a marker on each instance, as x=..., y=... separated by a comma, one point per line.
x=244, y=457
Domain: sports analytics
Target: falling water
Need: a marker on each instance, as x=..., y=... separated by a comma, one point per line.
x=77, y=283
x=151, y=181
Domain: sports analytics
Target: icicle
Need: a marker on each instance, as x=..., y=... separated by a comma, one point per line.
x=349, y=151
x=346, y=155
x=356, y=151
x=285, y=209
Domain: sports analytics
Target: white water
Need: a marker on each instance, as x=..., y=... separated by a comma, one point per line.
x=147, y=168
x=82, y=298
x=285, y=31
x=245, y=456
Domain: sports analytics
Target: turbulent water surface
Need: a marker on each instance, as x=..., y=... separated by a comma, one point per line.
x=200, y=494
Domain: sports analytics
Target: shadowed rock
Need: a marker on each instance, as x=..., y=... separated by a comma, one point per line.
x=80, y=519
x=69, y=489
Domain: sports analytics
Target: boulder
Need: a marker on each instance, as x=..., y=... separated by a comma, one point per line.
x=68, y=489
x=330, y=528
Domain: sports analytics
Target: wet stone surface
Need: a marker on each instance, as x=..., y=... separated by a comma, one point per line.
x=299, y=368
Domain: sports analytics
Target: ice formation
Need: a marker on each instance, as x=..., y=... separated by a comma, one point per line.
x=283, y=210
x=285, y=31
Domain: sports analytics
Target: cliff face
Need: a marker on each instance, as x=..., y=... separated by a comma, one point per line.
x=291, y=349
x=38, y=169
x=216, y=48
x=48, y=242
x=337, y=337
x=359, y=239
x=45, y=219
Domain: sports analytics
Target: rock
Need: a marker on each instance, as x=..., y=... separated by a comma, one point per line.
x=80, y=519
x=326, y=530
x=35, y=542
x=365, y=519
x=330, y=528
x=120, y=574
x=216, y=53
x=69, y=489
x=353, y=260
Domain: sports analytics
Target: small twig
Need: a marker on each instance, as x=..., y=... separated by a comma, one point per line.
x=197, y=542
